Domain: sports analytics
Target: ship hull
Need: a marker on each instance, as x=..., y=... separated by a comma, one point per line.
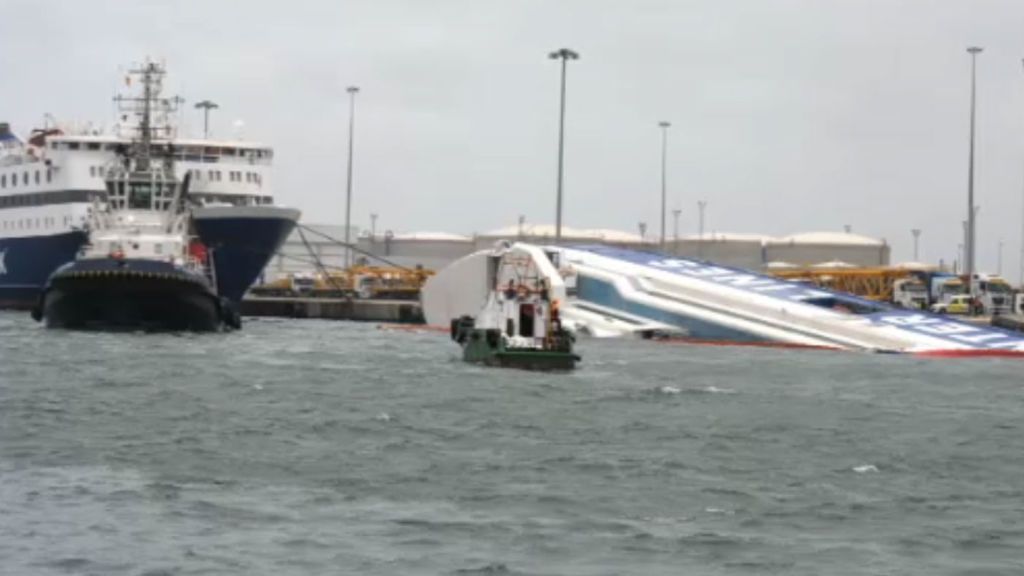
x=242, y=240
x=110, y=294
x=26, y=263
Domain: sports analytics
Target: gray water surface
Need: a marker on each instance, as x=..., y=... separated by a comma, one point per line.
x=309, y=447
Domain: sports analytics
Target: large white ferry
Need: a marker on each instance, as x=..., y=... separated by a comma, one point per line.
x=49, y=180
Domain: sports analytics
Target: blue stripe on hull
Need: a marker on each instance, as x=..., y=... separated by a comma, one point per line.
x=605, y=294
x=28, y=262
x=241, y=249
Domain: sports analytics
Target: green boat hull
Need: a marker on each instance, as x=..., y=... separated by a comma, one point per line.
x=480, y=346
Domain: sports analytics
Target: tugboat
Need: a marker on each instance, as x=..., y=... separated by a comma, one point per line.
x=141, y=267
x=519, y=325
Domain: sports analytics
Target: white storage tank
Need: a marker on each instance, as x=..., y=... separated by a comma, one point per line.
x=813, y=248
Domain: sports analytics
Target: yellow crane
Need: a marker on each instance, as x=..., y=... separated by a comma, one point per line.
x=872, y=283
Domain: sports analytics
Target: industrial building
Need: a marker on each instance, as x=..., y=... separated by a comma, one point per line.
x=434, y=250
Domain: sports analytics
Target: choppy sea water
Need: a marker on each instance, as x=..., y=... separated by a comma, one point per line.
x=311, y=447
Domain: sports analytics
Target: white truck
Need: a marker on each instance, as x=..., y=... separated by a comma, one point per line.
x=910, y=293
x=993, y=293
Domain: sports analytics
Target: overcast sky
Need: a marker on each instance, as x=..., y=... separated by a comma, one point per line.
x=787, y=116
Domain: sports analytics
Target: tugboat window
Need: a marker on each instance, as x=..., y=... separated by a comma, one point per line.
x=141, y=195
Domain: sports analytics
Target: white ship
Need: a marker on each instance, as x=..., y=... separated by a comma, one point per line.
x=49, y=180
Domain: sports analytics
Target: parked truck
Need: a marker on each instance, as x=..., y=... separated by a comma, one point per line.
x=993, y=293
x=910, y=293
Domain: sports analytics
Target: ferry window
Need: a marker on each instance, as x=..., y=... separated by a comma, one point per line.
x=37, y=176
x=72, y=145
x=49, y=174
x=92, y=170
x=3, y=181
x=24, y=178
x=94, y=145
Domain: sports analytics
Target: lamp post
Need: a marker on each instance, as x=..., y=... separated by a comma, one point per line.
x=1020, y=272
x=563, y=54
x=206, y=106
x=373, y=227
x=675, y=230
x=999, y=262
x=701, y=205
x=352, y=91
x=642, y=226
x=917, y=236
x=969, y=251
x=664, y=149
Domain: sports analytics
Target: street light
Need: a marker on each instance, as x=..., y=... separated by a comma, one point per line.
x=701, y=205
x=352, y=91
x=969, y=251
x=917, y=236
x=664, y=149
x=373, y=227
x=643, y=230
x=563, y=54
x=1020, y=272
x=999, y=266
x=675, y=230
x=206, y=106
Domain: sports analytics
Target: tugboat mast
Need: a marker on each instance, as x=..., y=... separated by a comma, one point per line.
x=144, y=107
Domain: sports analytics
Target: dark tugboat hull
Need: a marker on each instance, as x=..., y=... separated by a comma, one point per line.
x=132, y=295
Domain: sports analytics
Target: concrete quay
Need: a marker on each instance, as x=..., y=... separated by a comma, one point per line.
x=392, y=311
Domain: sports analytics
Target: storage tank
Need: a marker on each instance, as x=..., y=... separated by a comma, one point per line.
x=813, y=248
x=727, y=249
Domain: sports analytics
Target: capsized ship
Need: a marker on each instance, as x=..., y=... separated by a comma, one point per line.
x=622, y=292
x=49, y=181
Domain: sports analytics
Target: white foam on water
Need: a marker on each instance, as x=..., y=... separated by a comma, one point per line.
x=383, y=417
x=669, y=390
x=717, y=390
x=865, y=468
x=719, y=511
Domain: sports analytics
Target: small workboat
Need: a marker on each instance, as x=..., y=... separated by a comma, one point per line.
x=518, y=327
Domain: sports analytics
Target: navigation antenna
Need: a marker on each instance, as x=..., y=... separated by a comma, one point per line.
x=147, y=113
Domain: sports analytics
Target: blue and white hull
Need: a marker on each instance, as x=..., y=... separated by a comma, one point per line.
x=242, y=240
x=26, y=263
